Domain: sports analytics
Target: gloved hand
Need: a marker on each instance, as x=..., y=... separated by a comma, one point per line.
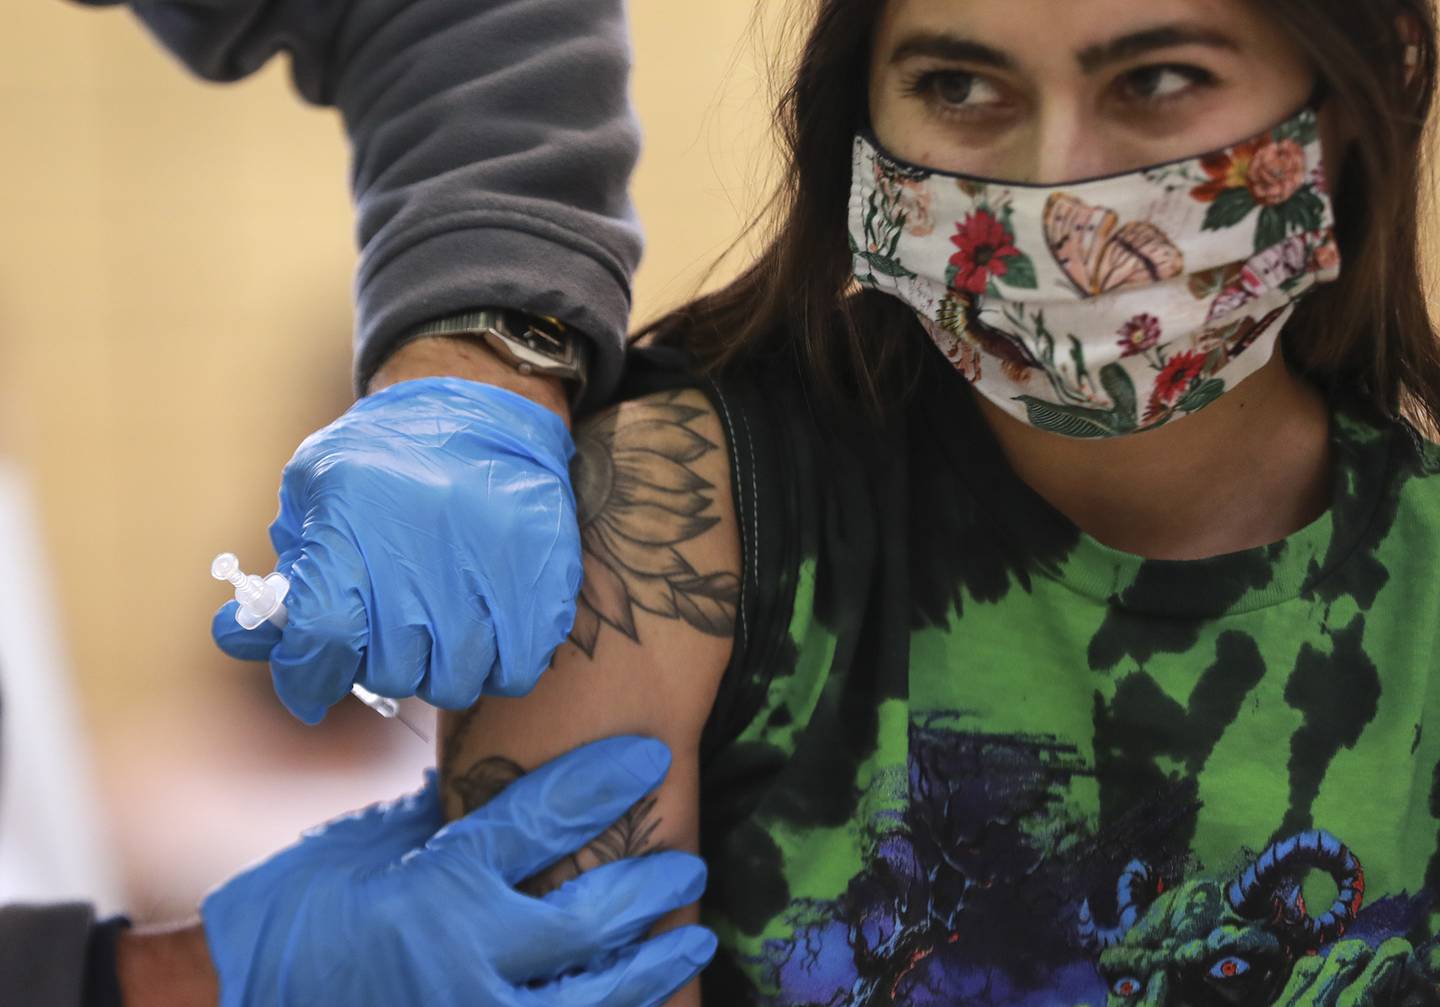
x=380, y=909
x=430, y=539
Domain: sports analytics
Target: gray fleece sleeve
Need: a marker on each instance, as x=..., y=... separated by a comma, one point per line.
x=492, y=147
x=42, y=954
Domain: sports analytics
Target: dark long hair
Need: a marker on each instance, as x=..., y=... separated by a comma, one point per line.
x=1369, y=333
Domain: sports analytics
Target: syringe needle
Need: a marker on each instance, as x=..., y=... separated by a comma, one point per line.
x=413, y=728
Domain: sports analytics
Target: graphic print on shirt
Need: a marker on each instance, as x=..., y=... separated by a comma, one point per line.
x=977, y=893
x=1045, y=774
x=1253, y=940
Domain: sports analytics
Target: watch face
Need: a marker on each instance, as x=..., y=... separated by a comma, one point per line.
x=545, y=343
x=537, y=351
x=532, y=344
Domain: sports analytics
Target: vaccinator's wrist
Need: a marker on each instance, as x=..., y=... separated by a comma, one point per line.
x=166, y=968
x=444, y=356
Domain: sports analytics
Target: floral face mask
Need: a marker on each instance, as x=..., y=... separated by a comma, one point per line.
x=1111, y=306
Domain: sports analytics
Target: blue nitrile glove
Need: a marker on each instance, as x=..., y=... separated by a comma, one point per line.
x=380, y=909
x=430, y=539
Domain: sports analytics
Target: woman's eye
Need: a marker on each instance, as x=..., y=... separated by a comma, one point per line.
x=954, y=91
x=1159, y=83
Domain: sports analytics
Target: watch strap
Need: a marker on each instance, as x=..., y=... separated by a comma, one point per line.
x=532, y=344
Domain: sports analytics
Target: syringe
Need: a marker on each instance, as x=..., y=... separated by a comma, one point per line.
x=262, y=599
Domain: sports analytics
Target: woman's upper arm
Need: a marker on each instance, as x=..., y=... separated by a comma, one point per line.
x=653, y=631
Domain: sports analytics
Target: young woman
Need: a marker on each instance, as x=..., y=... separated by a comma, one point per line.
x=1038, y=593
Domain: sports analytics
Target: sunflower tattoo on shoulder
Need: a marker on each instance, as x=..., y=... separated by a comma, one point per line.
x=639, y=499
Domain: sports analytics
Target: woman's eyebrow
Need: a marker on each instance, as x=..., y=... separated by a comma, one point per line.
x=954, y=48
x=958, y=49
x=1169, y=36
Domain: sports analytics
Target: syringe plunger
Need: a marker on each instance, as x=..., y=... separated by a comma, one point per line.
x=260, y=599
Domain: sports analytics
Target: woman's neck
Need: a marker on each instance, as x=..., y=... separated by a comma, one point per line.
x=1249, y=470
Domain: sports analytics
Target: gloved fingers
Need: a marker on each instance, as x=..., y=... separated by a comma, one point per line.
x=238, y=642
x=320, y=652
x=402, y=630
x=285, y=558
x=287, y=528
x=386, y=830
x=462, y=658
x=398, y=655
x=606, y=909
x=312, y=673
x=534, y=604
x=643, y=977
x=555, y=810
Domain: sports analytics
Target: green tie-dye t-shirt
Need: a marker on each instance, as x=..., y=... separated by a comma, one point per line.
x=967, y=755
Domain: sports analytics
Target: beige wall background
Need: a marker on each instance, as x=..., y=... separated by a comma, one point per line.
x=174, y=317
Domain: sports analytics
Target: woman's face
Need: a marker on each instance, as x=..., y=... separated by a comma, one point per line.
x=1050, y=91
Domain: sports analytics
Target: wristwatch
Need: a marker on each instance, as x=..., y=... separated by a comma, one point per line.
x=532, y=344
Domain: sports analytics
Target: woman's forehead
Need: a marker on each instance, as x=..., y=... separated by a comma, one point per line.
x=1085, y=30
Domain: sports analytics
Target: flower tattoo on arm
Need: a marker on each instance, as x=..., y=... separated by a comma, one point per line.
x=640, y=498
